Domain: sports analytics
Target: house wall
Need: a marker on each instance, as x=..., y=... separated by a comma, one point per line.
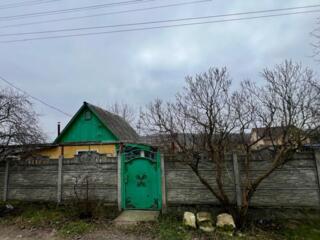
x=84, y=129
x=293, y=185
x=71, y=151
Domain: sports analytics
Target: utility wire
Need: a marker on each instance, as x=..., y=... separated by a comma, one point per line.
x=152, y=27
x=106, y=14
x=68, y=10
x=35, y=98
x=26, y=4
x=159, y=27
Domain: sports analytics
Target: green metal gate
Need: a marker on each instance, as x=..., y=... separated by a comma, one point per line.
x=140, y=178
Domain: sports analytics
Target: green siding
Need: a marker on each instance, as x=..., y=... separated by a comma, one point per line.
x=86, y=130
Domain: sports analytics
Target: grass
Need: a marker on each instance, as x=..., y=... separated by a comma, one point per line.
x=76, y=228
x=309, y=229
x=41, y=218
x=170, y=227
x=67, y=221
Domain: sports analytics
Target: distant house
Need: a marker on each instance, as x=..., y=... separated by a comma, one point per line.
x=91, y=129
x=170, y=144
x=163, y=141
x=265, y=137
x=260, y=137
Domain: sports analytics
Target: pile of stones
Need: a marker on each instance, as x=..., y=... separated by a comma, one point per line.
x=204, y=222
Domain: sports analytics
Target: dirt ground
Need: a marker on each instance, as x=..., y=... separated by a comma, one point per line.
x=15, y=233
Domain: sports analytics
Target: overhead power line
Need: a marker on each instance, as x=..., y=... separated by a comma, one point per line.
x=26, y=3
x=68, y=10
x=161, y=21
x=106, y=14
x=162, y=26
x=34, y=98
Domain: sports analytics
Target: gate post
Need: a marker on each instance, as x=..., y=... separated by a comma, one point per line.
x=119, y=181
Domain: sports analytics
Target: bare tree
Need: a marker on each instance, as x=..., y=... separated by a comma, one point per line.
x=199, y=122
x=205, y=117
x=286, y=109
x=18, y=124
x=124, y=110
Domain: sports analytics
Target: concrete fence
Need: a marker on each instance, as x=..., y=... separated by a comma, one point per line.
x=60, y=179
x=296, y=184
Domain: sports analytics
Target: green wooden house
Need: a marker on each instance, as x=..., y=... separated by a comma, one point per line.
x=95, y=130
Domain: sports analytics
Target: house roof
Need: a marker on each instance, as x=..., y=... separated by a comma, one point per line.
x=116, y=124
x=273, y=132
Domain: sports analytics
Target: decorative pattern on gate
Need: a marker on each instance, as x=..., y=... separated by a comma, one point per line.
x=141, y=180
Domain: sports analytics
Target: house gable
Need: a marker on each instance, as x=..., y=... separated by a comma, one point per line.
x=86, y=126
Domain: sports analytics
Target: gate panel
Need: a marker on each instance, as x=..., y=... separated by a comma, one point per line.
x=141, y=180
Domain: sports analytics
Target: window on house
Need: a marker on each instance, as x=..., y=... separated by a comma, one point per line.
x=87, y=115
x=79, y=152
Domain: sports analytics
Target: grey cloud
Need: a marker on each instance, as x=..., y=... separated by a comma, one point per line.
x=139, y=66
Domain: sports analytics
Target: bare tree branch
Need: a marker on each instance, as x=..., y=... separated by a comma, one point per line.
x=207, y=119
x=123, y=110
x=18, y=124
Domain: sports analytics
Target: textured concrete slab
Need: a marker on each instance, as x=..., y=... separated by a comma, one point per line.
x=131, y=217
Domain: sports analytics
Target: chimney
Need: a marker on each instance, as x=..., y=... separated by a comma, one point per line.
x=58, y=128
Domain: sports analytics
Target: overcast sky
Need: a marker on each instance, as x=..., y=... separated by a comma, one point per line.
x=136, y=67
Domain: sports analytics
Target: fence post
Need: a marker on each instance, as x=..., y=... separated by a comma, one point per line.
x=119, y=181
x=317, y=160
x=163, y=185
x=237, y=180
x=59, y=186
x=6, y=182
